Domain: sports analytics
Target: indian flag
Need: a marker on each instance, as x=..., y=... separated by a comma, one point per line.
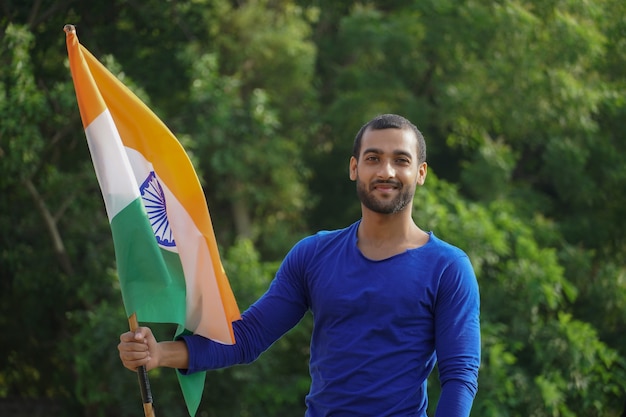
x=167, y=257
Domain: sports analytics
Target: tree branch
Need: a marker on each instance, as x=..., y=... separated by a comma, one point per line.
x=51, y=225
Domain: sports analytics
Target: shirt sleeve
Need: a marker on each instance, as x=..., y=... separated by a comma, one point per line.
x=271, y=316
x=457, y=343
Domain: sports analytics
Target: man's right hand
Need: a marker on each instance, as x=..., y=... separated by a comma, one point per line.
x=139, y=348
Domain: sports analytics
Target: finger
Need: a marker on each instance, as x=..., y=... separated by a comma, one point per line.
x=127, y=337
x=133, y=346
x=132, y=359
x=142, y=333
x=130, y=353
x=134, y=356
x=134, y=364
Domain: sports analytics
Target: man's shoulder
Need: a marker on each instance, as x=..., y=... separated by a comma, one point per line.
x=444, y=248
x=332, y=234
x=326, y=238
x=442, y=244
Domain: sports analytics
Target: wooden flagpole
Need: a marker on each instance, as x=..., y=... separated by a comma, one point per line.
x=142, y=374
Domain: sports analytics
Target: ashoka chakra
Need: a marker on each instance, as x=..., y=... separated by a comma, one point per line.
x=153, y=199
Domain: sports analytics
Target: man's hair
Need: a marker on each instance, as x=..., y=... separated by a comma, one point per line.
x=390, y=121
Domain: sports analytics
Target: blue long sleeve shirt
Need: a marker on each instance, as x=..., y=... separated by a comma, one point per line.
x=379, y=327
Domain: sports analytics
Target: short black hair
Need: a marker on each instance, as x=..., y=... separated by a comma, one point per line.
x=390, y=121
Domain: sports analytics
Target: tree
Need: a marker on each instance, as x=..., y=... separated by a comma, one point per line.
x=538, y=359
x=51, y=251
x=249, y=109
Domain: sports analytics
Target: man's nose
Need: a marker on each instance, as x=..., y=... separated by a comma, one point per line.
x=386, y=170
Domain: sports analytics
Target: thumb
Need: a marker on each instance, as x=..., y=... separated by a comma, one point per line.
x=142, y=333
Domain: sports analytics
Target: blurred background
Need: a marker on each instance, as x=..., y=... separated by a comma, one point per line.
x=522, y=103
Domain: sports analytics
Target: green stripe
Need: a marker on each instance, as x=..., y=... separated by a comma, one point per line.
x=152, y=279
x=153, y=283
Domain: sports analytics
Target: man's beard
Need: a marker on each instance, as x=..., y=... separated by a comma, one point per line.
x=397, y=204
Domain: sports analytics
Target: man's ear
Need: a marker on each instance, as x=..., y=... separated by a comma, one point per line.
x=353, y=164
x=421, y=173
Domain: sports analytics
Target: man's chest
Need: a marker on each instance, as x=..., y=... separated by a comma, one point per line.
x=385, y=292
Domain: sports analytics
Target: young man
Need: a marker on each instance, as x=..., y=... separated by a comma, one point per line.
x=388, y=300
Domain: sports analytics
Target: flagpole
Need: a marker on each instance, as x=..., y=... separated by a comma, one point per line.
x=142, y=374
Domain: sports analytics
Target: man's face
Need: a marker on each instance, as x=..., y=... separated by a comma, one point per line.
x=387, y=170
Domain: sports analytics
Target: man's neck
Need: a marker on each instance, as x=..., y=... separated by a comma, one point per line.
x=383, y=235
x=386, y=227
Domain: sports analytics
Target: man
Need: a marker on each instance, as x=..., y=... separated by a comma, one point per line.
x=388, y=300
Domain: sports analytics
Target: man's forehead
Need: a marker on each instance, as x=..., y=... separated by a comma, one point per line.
x=389, y=140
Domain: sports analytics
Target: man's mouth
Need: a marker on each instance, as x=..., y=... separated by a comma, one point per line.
x=386, y=185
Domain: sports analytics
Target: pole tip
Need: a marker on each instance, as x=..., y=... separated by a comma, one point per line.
x=69, y=29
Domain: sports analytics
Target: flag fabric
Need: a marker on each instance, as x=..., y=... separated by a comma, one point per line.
x=167, y=258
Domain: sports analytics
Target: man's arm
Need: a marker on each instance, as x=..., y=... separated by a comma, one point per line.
x=277, y=311
x=457, y=324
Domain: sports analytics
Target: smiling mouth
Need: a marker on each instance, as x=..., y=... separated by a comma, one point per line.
x=385, y=185
x=384, y=188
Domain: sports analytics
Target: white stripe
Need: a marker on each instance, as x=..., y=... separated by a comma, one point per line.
x=205, y=310
x=113, y=169
x=140, y=165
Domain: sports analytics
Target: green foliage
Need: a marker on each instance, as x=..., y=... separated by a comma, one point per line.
x=53, y=266
x=522, y=105
x=21, y=104
x=249, y=95
x=537, y=358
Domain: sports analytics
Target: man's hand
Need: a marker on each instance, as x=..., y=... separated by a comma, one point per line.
x=139, y=348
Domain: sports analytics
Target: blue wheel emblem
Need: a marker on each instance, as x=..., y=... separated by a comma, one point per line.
x=153, y=199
